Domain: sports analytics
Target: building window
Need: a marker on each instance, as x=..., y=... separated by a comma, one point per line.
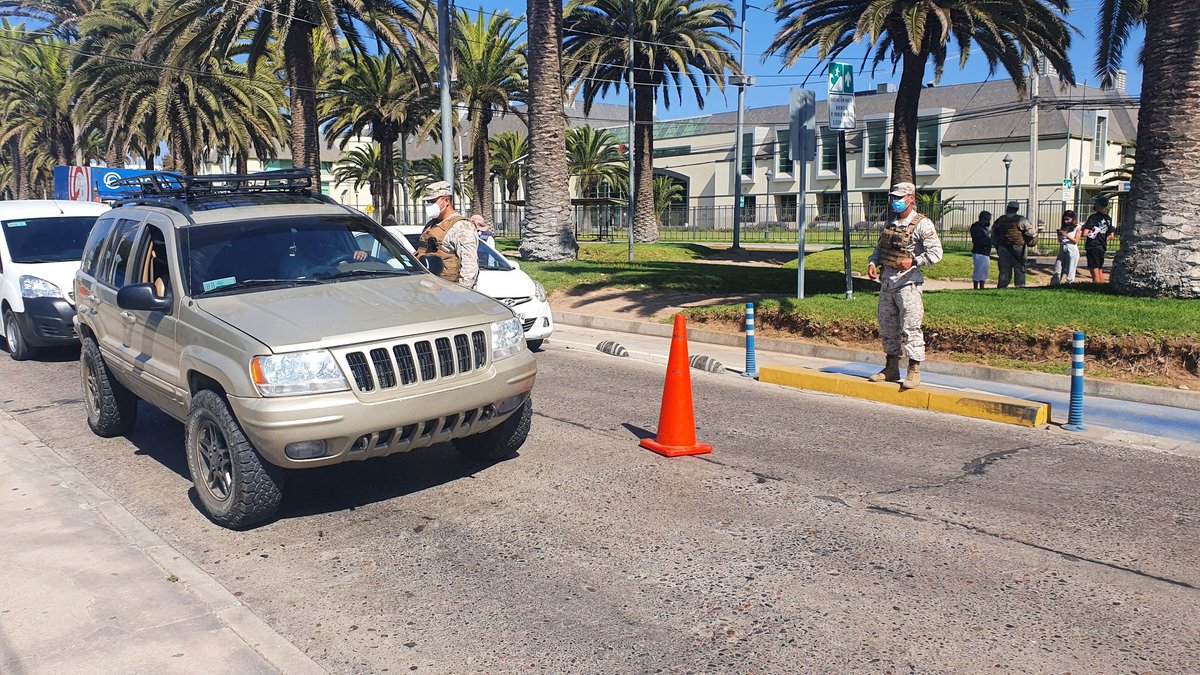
x=787, y=208
x=876, y=145
x=783, y=151
x=748, y=154
x=749, y=209
x=829, y=206
x=829, y=151
x=927, y=143
x=1101, y=139
x=877, y=205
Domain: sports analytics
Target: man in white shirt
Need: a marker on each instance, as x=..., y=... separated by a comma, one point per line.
x=906, y=245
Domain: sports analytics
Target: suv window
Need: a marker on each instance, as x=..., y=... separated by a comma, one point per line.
x=153, y=263
x=115, y=258
x=244, y=255
x=91, y=250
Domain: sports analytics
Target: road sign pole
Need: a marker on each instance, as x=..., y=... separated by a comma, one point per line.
x=841, y=120
x=803, y=132
x=845, y=215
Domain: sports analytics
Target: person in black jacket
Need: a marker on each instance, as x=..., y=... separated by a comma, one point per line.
x=981, y=249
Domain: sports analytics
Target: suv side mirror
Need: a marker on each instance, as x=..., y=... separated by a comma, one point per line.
x=141, y=298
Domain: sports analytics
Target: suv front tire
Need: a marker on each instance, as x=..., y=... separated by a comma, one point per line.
x=111, y=408
x=500, y=442
x=234, y=484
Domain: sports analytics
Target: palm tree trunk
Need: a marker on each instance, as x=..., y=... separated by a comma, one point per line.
x=242, y=163
x=118, y=146
x=548, y=234
x=908, y=102
x=298, y=60
x=1160, y=252
x=481, y=197
x=645, y=225
x=404, y=174
x=19, y=170
x=387, y=171
x=181, y=145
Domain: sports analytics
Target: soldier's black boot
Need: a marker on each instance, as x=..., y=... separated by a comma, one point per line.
x=890, y=372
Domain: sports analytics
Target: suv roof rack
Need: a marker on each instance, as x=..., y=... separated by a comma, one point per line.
x=170, y=185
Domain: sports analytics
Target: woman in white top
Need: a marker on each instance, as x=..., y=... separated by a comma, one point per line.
x=1068, y=250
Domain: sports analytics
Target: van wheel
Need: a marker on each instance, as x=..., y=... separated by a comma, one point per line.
x=535, y=345
x=500, y=442
x=236, y=486
x=111, y=408
x=18, y=348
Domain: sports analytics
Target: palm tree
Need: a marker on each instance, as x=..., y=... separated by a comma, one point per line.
x=60, y=16
x=32, y=108
x=200, y=27
x=910, y=34
x=374, y=92
x=549, y=233
x=1159, y=254
x=490, y=66
x=507, y=160
x=425, y=172
x=363, y=166
x=1113, y=178
x=666, y=193
x=675, y=41
x=18, y=180
x=594, y=158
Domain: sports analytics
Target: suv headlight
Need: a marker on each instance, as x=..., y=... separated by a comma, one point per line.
x=539, y=292
x=36, y=287
x=297, y=373
x=507, y=339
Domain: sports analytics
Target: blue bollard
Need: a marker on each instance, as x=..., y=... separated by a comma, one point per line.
x=751, y=366
x=1075, y=413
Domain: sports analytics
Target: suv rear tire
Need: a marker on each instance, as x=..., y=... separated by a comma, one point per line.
x=236, y=487
x=500, y=442
x=18, y=348
x=111, y=408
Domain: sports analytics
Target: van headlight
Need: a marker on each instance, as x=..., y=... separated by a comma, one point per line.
x=507, y=339
x=309, y=372
x=539, y=292
x=36, y=287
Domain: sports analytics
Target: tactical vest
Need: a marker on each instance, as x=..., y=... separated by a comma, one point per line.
x=897, y=242
x=1007, y=226
x=434, y=256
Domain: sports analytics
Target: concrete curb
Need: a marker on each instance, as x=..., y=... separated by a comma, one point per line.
x=979, y=406
x=1138, y=393
x=275, y=649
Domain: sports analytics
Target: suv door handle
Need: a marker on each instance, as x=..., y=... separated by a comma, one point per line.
x=129, y=318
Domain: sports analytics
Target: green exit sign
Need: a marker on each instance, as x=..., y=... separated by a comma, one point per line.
x=841, y=78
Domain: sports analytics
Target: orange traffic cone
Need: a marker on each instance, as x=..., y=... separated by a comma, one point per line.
x=676, y=421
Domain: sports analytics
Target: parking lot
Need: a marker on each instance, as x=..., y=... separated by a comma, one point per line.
x=823, y=534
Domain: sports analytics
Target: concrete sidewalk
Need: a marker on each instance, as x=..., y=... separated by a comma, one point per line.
x=86, y=588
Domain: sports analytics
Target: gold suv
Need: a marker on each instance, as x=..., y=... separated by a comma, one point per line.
x=286, y=332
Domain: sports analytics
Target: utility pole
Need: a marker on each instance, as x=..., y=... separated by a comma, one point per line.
x=629, y=82
x=1033, y=139
x=443, y=28
x=1082, y=152
x=739, y=142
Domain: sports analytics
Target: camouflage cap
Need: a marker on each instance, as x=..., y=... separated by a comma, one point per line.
x=903, y=190
x=436, y=190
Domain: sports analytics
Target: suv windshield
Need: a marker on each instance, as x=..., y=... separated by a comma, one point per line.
x=281, y=252
x=38, y=240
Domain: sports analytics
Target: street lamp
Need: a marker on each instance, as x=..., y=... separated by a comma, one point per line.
x=1007, y=165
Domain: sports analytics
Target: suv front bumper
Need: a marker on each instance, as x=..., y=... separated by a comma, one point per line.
x=394, y=425
x=48, y=322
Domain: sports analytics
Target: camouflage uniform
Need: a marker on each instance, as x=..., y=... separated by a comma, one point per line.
x=901, y=309
x=449, y=247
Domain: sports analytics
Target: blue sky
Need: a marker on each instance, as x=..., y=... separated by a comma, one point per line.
x=773, y=84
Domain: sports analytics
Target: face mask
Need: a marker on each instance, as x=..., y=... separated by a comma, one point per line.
x=898, y=205
x=432, y=210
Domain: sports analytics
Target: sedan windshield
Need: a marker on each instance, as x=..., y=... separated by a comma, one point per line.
x=38, y=240
x=254, y=255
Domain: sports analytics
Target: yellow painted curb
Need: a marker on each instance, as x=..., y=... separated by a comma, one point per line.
x=979, y=406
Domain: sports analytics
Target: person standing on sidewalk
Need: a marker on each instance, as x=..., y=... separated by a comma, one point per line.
x=1012, y=234
x=1097, y=230
x=1068, y=250
x=981, y=250
x=907, y=244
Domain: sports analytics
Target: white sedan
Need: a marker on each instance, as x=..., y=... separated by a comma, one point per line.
x=503, y=280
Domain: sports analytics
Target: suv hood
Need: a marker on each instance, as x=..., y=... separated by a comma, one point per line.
x=353, y=312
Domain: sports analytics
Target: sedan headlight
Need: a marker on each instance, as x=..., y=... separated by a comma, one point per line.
x=539, y=292
x=297, y=373
x=507, y=339
x=36, y=287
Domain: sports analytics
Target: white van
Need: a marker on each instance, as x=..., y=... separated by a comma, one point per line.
x=41, y=244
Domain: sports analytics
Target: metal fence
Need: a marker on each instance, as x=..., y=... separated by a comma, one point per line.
x=767, y=224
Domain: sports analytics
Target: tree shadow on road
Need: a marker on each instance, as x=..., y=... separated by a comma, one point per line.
x=309, y=492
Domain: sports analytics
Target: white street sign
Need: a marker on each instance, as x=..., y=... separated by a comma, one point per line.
x=1068, y=190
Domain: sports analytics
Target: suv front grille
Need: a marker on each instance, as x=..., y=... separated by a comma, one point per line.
x=382, y=368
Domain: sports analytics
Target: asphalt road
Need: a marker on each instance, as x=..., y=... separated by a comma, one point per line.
x=823, y=535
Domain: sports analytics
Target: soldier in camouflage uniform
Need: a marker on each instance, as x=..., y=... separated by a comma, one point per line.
x=449, y=245
x=907, y=244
